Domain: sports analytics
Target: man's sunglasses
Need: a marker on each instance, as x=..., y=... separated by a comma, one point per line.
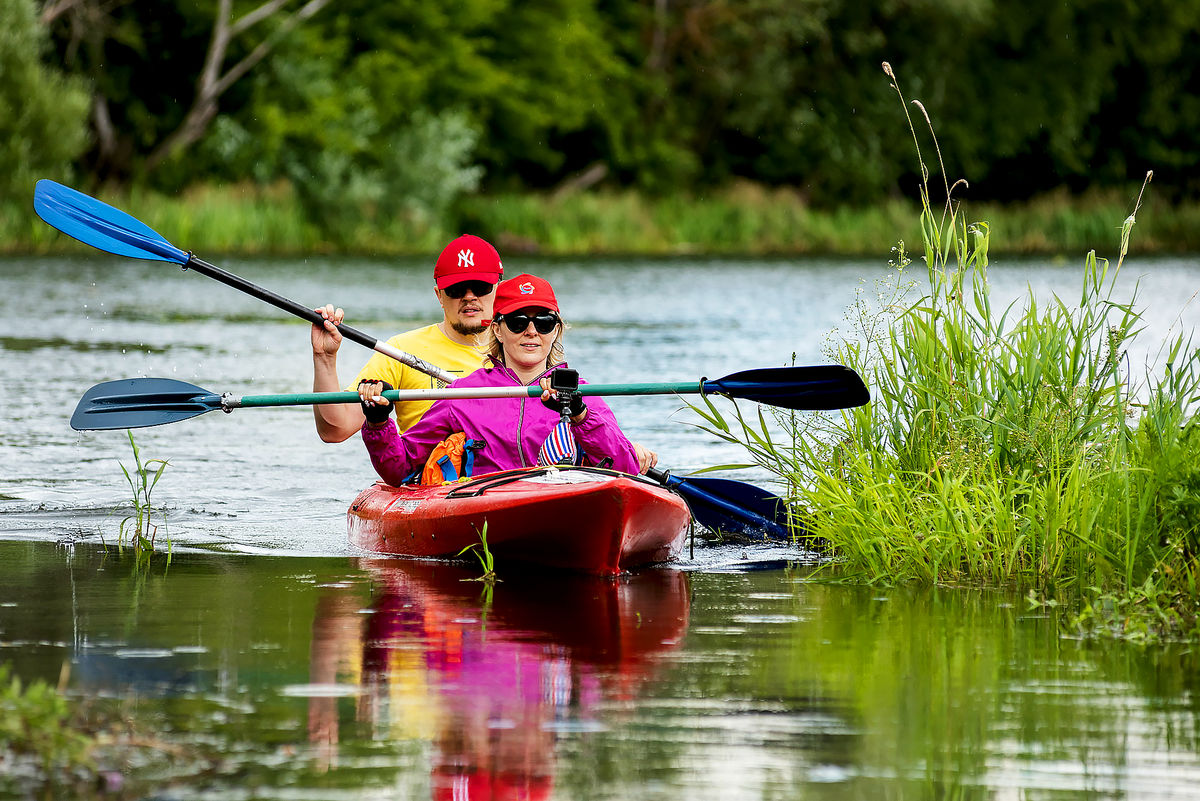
x=459, y=291
x=543, y=322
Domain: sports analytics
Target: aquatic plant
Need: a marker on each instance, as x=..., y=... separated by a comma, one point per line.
x=1010, y=446
x=137, y=527
x=484, y=555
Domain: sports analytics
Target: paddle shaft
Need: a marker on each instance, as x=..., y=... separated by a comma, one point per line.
x=314, y=317
x=230, y=401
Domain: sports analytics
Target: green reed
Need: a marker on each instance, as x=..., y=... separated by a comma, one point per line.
x=484, y=555
x=1011, y=446
x=138, y=528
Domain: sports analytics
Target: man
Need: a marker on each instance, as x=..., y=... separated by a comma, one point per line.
x=464, y=276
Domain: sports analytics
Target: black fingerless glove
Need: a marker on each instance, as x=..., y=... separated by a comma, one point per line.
x=576, y=408
x=374, y=413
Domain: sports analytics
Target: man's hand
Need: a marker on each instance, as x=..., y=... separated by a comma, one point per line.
x=326, y=338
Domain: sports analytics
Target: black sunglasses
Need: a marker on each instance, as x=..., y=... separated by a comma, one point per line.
x=459, y=291
x=543, y=322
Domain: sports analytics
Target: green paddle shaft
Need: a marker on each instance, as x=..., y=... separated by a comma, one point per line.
x=138, y=402
x=230, y=401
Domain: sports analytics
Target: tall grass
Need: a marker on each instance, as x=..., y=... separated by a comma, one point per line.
x=742, y=219
x=1012, y=446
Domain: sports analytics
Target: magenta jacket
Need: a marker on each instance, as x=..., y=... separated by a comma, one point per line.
x=512, y=428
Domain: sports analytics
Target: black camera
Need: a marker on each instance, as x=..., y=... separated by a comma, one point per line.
x=564, y=379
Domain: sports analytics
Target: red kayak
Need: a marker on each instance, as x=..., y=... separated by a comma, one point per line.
x=578, y=518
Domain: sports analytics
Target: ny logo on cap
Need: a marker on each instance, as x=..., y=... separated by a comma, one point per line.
x=466, y=258
x=526, y=288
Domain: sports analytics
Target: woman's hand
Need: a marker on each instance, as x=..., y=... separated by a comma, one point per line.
x=376, y=408
x=578, y=410
x=646, y=458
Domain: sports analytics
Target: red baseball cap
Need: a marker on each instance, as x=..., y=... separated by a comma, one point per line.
x=467, y=258
x=521, y=291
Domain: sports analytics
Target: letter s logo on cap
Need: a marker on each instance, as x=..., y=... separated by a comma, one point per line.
x=526, y=288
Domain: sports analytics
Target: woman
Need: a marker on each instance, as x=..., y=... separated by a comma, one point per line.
x=524, y=344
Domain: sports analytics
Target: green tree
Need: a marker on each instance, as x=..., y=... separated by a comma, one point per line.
x=43, y=113
x=378, y=109
x=1026, y=95
x=160, y=71
x=524, y=73
x=1151, y=119
x=383, y=109
x=316, y=120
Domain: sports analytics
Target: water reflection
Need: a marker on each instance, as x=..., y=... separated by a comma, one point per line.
x=491, y=676
x=286, y=678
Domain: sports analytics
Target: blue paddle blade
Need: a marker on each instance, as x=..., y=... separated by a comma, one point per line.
x=768, y=512
x=817, y=388
x=141, y=402
x=734, y=507
x=100, y=225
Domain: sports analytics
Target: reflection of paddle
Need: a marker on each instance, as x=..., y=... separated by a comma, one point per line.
x=141, y=402
x=113, y=231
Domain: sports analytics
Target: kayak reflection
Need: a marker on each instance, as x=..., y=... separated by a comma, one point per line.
x=490, y=676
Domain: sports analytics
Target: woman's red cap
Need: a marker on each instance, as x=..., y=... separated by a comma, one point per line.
x=521, y=291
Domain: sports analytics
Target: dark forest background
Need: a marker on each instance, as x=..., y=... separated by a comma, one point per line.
x=405, y=106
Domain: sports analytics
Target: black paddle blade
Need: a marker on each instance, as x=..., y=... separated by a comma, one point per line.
x=100, y=225
x=816, y=388
x=734, y=507
x=140, y=402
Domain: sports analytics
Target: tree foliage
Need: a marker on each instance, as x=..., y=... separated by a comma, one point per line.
x=371, y=105
x=42, y=112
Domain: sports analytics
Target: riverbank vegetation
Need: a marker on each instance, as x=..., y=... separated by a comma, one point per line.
x=1014, y=446
x=746, y=219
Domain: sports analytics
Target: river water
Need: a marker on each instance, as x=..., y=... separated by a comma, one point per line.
x=298, y=667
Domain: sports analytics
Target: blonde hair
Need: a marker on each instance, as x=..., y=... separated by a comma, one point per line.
x=493, y=351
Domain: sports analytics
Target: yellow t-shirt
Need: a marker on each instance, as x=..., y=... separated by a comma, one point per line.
x=428, y=344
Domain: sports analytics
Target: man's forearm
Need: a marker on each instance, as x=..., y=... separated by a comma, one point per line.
x=336, y=422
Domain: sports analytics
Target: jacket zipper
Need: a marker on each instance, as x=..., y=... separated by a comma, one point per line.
x=521, y=416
